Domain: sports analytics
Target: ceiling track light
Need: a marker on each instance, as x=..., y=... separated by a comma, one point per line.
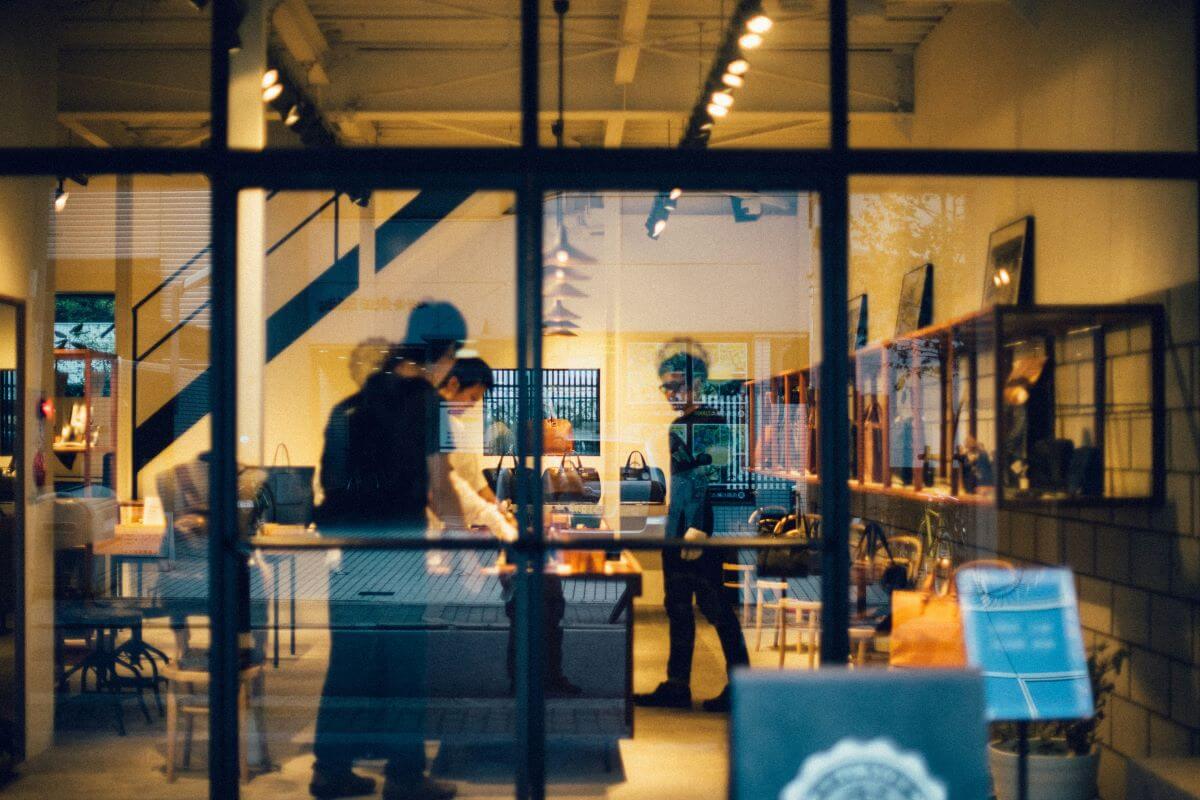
x=60, y=197
x=759, y=24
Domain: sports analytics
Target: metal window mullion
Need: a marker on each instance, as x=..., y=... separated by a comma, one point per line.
x=224, y=599
x=834, y=368
x=530, y=643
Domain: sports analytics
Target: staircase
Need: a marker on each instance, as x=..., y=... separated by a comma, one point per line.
x=171, y=323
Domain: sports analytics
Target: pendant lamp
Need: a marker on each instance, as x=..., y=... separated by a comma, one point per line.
x=560, y=313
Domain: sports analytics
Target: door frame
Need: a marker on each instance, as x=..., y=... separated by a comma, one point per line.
x=18, y=544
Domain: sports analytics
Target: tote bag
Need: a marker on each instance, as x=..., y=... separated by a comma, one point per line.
x=291, y=489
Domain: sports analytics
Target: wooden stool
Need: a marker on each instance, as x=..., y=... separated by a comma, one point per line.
x=808, y=619
x=187, y=695
x=778, y=590
x=859, y=639
x=743, y=581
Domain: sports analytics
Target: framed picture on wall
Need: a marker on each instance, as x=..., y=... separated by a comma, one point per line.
x=916, y=300
x=1008, y=278
x=856, y=325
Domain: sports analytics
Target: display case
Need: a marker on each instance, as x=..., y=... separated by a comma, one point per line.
x=1017, y=405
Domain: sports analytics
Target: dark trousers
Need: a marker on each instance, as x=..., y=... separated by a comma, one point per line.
x=554, y=605
x=699, y=580
x=375, y=693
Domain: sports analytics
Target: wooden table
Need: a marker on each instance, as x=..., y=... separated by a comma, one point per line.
x=131, y=542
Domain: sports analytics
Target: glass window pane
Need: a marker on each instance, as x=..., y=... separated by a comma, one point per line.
x=104, y=331
x=129, y=75
x=1056, y=75
x=684, y=325
x=635, y=71
x=398, y=74
x=1027, y=433
x=377, y=373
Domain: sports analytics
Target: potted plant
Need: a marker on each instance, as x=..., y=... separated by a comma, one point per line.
x=1063, y=758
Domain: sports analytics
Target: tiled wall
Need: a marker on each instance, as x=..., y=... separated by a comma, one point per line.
x=1138, y=573
x=1138, y=570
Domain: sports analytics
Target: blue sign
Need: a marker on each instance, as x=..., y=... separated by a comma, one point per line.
x=1021, y=630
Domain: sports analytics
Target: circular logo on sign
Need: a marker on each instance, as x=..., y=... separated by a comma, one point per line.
x=858, y=770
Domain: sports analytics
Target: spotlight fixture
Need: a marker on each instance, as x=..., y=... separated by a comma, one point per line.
x=272, y=92
x=293, y=116
x=270, y=78
x=733, y=81
x=739, y=66
x=60, y=197
x=749, y=41
x=675, y=193
x=660, y=225
x=716, y=110
x=759, y=23
x=723, y=99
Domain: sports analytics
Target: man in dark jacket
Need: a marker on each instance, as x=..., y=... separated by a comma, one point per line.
x=381, y=467
x=696, y=436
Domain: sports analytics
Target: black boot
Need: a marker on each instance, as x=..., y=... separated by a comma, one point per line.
x=330, y=785
x=718, y=704
x=668, y=695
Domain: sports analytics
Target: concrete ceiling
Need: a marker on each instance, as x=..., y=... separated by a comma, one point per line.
x=446, y=72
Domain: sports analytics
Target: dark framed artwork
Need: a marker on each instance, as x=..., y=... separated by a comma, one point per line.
x=1008, y=278
x=856, y=326
x=916, y=300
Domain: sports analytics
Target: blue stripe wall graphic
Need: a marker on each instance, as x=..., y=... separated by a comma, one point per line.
x=300, y=314
x=413, y=221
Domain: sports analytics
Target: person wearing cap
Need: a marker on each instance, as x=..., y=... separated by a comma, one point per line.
x=389, y=470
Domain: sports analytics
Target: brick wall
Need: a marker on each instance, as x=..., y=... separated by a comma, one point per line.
x=1137, y=570
x=1138, y=573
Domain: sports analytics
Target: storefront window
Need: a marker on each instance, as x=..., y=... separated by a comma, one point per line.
x=1037, y=76
x=106, y=432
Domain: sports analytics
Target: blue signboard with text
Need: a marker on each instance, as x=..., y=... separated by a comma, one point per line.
x=1021, y=630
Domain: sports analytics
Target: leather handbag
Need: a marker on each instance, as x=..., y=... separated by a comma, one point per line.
x=558, y=436
x=799, y=561
x=291, y=489
x=571, y=482
x=642, y=483
x=503, y=480
x=927, y=626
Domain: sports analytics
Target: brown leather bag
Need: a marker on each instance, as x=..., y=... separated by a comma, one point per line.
x=927, y=627
x=558, y=436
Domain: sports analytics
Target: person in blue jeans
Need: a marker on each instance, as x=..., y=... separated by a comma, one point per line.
x=381, y=467
x=699, y=437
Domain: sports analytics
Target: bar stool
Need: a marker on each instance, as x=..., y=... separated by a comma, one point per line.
x=778, y=591
x=742, y=579
x=187, y=695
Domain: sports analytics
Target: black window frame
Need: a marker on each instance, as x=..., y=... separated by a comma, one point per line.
x=529, y=171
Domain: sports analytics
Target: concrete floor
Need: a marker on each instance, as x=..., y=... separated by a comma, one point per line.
x=674, y=754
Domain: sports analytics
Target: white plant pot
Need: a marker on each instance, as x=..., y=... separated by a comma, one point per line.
x=1051, y=777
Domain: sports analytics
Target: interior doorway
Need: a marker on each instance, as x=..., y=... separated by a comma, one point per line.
x=12, y=545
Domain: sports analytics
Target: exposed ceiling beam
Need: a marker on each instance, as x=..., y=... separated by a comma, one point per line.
x=82, y=131
x=634, y=14
x=302, y=37
x=614, y=131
